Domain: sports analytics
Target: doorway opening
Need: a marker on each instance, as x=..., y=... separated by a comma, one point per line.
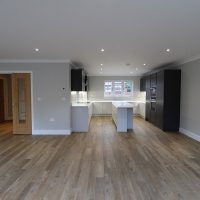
x=15, y=104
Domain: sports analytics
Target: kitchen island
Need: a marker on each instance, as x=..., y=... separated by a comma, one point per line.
x=104, y=107
x=122, y=114
x=81, y=114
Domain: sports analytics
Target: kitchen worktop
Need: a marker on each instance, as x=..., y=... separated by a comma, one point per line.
x=118, y=101
x=120, y=104
x=82, y=104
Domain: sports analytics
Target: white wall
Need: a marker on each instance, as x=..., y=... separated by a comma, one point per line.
x=49, y=98
x=190, y=99
x=96, y=88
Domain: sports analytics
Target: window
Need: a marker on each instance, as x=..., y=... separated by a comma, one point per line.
x=108, y=88
x=118, y=88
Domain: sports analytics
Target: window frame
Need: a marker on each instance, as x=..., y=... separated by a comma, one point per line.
x=113, y=90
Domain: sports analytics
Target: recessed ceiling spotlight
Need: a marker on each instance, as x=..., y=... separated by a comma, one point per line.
x=144, y=64
x=102, y=50
x=101, y=64
x=168, y=50
x=37, y=49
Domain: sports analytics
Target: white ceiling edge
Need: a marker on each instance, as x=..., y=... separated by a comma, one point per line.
x=67, y=61
x=188, y=60
x=3, y=61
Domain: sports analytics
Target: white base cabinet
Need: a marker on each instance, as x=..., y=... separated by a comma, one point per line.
x=102, y=108
x=122, y=116
x=81, y=116
x=105, y=108
x=142, y=109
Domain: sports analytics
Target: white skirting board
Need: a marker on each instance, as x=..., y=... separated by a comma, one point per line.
x=190, y=134
x=51, y=132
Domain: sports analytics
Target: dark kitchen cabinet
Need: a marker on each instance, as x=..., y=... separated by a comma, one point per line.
x=152, y=95
x=147, y=110
x=86, y=81
x=143, y=84
x=163, y=99
x=169, y=98
x=160, y=99
x=153, y=112
x=79, y=80
x=153, y=80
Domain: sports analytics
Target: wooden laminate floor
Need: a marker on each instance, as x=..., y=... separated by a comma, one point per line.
x=102, y=164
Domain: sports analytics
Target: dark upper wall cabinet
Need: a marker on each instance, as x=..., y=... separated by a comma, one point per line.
x=143, y=84
x=163, y=101
x=79, y=80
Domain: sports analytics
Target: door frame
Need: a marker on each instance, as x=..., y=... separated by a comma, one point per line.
x=31, y=83
x=5, y=96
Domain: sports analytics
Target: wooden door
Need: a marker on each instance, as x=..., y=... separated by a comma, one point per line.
x=21, y=95
x=2, y=111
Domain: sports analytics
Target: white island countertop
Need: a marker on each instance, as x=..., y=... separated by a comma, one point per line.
x=115, y=103
x=82, y=104
x=122, y=104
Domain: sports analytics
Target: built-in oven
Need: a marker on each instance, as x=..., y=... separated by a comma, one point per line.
x=153, y=93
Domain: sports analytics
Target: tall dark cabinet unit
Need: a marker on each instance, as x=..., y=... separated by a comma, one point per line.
x=168, y=100
x=148, y=106
x=163, y=99
x=79, y=80
x=152, y=92
x=143, y=84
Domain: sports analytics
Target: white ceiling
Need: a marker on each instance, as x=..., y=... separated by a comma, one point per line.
x=130, y=31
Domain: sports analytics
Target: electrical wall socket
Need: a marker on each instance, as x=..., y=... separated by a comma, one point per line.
x=52, y=119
